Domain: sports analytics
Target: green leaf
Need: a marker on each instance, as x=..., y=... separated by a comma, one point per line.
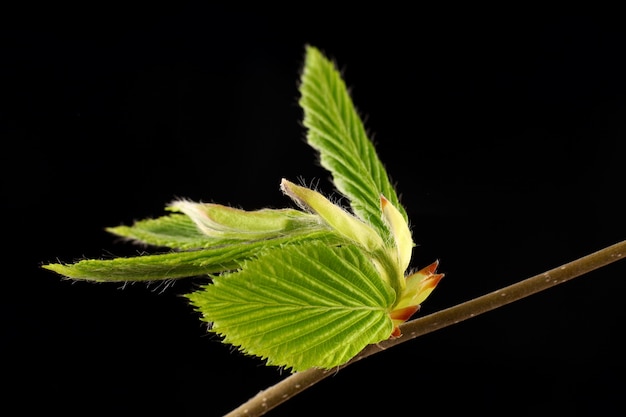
x=336, y=131
x=176, y=231
x=300, y=306
x=211, y=225
x=223, y=222
x=176, y=265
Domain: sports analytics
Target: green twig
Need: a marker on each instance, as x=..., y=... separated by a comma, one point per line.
x=268, y=399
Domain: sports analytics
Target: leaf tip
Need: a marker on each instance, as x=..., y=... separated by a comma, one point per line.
x=60, y=269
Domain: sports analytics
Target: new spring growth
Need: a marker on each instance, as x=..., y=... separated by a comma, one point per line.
x=302, y=289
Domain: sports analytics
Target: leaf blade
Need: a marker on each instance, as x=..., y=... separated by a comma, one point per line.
x=336, y=131
x=175, y=265
x=303, y=306
x=175, y=231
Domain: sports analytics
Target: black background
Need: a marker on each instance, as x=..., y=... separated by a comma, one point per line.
x=504, y=131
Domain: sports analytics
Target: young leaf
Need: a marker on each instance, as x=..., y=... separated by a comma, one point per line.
x=223, y=222
x=177, y=265
x=301, y=306
x=336, y=131
x=176, y=231
x=152, y=267
x=344, y=223
x=211, y=225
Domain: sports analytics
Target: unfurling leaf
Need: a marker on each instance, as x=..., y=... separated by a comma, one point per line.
x=222, y=222
x=344, y=223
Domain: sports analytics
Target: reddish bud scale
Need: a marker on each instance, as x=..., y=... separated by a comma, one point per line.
x=418, y=288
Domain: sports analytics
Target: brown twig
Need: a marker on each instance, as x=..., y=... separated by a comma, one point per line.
x=268, y=399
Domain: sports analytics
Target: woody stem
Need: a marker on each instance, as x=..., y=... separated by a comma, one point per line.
x=266, y=400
